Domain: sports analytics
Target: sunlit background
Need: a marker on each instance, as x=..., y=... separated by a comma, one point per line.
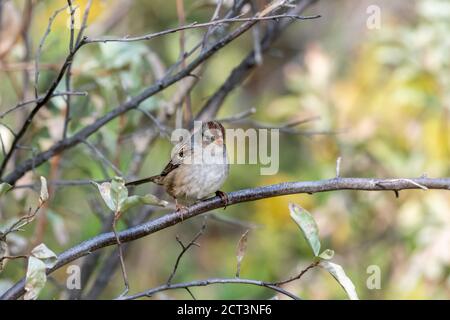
x=382, y=98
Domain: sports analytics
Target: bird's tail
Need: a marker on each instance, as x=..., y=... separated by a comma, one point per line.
x=155, y=179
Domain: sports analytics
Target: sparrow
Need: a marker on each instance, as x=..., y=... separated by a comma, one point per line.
x=198, y=167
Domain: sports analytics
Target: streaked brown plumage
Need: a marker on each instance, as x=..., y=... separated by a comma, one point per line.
x=193, y=174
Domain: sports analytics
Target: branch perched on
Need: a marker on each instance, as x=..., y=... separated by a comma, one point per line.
x=309, y=187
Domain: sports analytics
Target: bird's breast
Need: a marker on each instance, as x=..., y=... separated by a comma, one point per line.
x=195, y=181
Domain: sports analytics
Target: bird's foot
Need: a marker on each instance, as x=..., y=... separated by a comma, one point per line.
x=181, y=210
x=224, y=197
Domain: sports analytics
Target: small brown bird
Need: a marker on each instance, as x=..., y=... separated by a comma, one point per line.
x=197, y=168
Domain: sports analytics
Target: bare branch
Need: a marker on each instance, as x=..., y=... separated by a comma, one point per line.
x=168, y=220
x=214, y=17
x=183, y=115
x=270, y=285
x=84, y=23
x=102, y=158
x=184, y=249
x=195, y=25
x=243, y=70
x=120, y=249
x=256, y=36
x=207, y=282
x=233, y=221
x=27, y=102
x=63, y=183
x=72, y=25
x=69, y=68
x=239, y=116
x=128, y=105
x=22, y=221
x=36, y=109
x=41, y=45
x=311, y=266
x=71, y=46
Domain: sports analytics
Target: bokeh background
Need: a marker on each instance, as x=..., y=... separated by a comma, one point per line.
x=383, y=98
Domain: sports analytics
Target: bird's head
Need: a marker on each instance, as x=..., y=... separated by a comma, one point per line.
x=213, y=132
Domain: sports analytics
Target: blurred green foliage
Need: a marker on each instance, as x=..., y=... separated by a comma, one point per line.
x=383, y=93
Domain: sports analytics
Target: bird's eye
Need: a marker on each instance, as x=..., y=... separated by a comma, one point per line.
x=180, y=154
x=212, y=138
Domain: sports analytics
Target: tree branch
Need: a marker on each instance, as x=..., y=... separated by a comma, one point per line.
x=35, y=110
x=184, y=249
x=168, y=220
x=243, y=70
x=196, y=25
x=207, y=282
x=27, y=102
x=133, y=103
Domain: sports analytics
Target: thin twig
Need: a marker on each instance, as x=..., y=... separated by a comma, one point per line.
x=67, y=116
x=22, y=221
x=207, y=282
x=36, y=109
x=184, y=249
x=298, y=276
x=103, y=158
x=286, y=188
x=128, y=105
x=195, y=25
x=8, y=128
x=27, y=102
x=11, y=258
x=63, y=183
x=190, y=293
x=41, y=45
x=244, y=69
x=239, y=116
x=158, y=123
x=84, y=22
x=234, y=222
x=256, y=36
x=287, y=128
x=214, y=17
x=72, y=25
x=122, y=262
x=184, y=115
x=412, y=182
x=69, y=69
x=272, y=285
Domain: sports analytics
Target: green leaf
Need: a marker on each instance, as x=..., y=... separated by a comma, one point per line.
x=119, y=192
x=339, y=274
x=327, y=254
x=105, y=192
x=115, y=195
x=308, y=226
x=118, y=189
x=4, y=188
x=43, y=253
x=35, y=279
x=148, y=199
